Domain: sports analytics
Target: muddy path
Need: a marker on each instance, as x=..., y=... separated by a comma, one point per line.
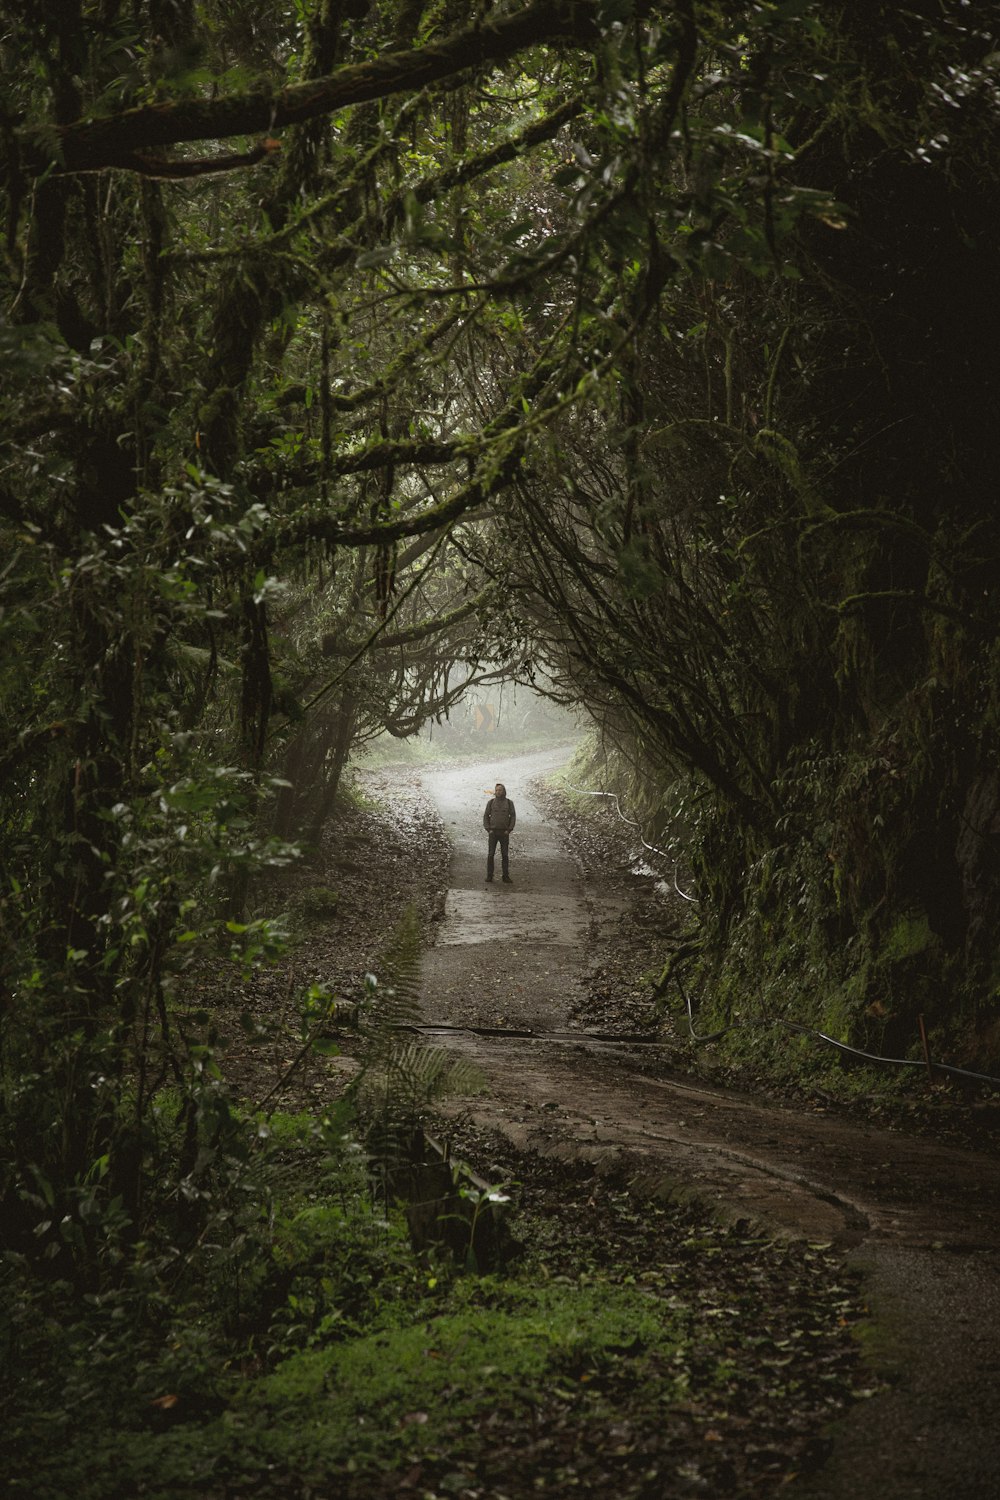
x=921, y=1219
x=506, y=955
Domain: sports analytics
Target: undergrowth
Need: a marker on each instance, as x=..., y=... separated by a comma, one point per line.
x=327, y=1357
x=779, y=965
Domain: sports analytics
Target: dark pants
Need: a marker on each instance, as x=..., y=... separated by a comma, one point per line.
x=503, y=839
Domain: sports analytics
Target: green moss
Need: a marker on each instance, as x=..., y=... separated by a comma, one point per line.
x=505, y=1340
x=291, y=1130
x=910, y=934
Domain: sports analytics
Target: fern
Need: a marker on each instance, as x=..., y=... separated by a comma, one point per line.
x=414, y=1076
x=396, y=1001
x=402, y=1078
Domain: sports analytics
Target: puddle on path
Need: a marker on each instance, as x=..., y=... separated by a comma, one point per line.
x=472, y=917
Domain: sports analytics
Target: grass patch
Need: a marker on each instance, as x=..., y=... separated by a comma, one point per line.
x=404, y=1393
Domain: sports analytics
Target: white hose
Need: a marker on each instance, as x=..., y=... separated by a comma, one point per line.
x=633, y=824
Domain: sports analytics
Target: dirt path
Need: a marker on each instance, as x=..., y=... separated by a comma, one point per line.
x=922, y=1220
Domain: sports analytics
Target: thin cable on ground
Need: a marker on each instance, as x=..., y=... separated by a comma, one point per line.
x=799, y=1029
x=663, y=853
x=762, y=1021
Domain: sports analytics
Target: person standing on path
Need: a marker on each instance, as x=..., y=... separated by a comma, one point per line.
x=498, y=820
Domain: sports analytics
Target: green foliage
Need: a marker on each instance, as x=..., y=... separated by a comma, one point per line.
x=290, y=1253
x=317, y=904
x=626, y=1315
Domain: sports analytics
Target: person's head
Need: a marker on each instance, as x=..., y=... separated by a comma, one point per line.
x=499, y=790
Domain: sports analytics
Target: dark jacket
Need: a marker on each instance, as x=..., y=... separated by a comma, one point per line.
x=499, y=816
